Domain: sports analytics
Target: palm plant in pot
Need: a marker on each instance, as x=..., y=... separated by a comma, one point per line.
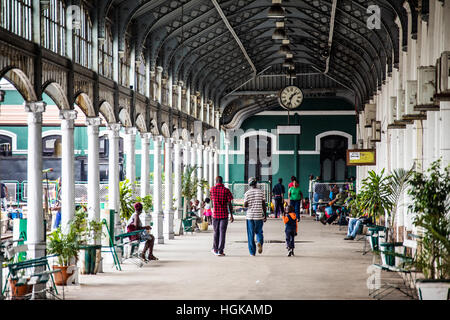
x=430, y=194
x=397, y=183
x=89, y=234
x=189, y=185
x=65, y=245
x=374, y=200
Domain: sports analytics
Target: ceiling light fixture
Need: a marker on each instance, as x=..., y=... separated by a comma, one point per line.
x=279, y=33
x=276, y=11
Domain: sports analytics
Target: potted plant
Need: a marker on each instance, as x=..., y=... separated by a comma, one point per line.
x=89, y=234
x=65, y=246
x=126, y=199
x=396, y=184
x=374, y=200
x=431, y=202
x=189, y=185
x=19, y=292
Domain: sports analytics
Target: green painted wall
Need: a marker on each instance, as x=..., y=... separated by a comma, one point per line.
x=311, y=126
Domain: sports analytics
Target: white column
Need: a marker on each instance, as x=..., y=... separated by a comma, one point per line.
x=113, y=174
x=145, y=173
x=205, y=168
x=210, y=168
x=193, y=111
x=200, y=169
x=158, y=83
x=170, y=92
x=179, y=94
x=186, y=155
x=445, y=132
x=35, y=224
x=67, y=168
x=193, y=154
x=93, y=169
x=168, y=194
x=227, y=160
x=157, y=199
x=130, y=151
x=177, y=180
x=216, y=166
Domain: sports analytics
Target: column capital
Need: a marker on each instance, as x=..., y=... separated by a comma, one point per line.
x=181, y=83
x=35, y=106
x=158, y=139
x=169, y=141
x=187, y=144
x=68, y=114
x=93, y=121
x=114, y=129
x=131, y=131
x=159, y=69
x=146, y=135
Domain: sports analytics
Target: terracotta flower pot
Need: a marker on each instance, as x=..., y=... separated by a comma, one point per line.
x=61, y=277
x=18, y=293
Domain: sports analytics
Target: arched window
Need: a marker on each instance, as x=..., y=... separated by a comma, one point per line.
x=140, y=71
x=105, y=62
x=5, y=146
x=54, y=27
x=124, y=68
x=15, y=16
x=82, y=39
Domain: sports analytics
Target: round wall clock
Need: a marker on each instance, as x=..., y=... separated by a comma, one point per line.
x=290, y=97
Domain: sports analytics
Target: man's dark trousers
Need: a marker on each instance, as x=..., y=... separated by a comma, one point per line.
x=220, y=229
x=278, y=206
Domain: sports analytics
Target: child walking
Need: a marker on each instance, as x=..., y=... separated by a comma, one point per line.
x=291, y=225
x=208, y=213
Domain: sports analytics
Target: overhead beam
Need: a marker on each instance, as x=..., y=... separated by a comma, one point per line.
x=230, y=28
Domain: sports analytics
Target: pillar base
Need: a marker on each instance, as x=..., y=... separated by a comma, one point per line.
x=157, y=229
x=168, y=225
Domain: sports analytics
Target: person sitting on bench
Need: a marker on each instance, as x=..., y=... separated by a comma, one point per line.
x=333, y=205
x=135, y=224
x=354, y=225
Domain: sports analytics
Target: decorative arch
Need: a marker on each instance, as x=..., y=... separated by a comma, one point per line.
x=165, y=130
x=84, y=102
x=56, y=93
x=124, y=118
x=140, y=123
x=21, y=82
x=108, y=112
x=333, y=133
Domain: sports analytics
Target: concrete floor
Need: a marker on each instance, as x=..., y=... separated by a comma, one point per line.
x=325, y=267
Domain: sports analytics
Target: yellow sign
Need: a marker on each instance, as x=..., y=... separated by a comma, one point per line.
x=361, y=157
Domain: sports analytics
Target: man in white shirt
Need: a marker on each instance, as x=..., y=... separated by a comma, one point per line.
x=256, y=216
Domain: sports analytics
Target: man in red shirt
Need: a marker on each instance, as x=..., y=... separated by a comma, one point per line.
x=221, y=198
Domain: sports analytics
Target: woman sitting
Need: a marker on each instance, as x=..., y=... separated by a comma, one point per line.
x=135, y=224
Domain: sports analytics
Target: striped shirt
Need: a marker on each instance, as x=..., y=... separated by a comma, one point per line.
x=254, y=197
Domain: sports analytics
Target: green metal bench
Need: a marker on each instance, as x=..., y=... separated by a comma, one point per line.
x=187, y=224
x=134, y=246
x=402, y=264
x=40, y=276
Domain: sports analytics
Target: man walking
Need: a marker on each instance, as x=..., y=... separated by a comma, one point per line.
x=221, y=198
x=256, y=216
x=278, y=194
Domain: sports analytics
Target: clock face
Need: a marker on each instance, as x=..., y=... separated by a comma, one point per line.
x=291, y=97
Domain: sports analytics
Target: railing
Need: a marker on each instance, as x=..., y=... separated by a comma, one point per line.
x=239, y=188
x=13, y=190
